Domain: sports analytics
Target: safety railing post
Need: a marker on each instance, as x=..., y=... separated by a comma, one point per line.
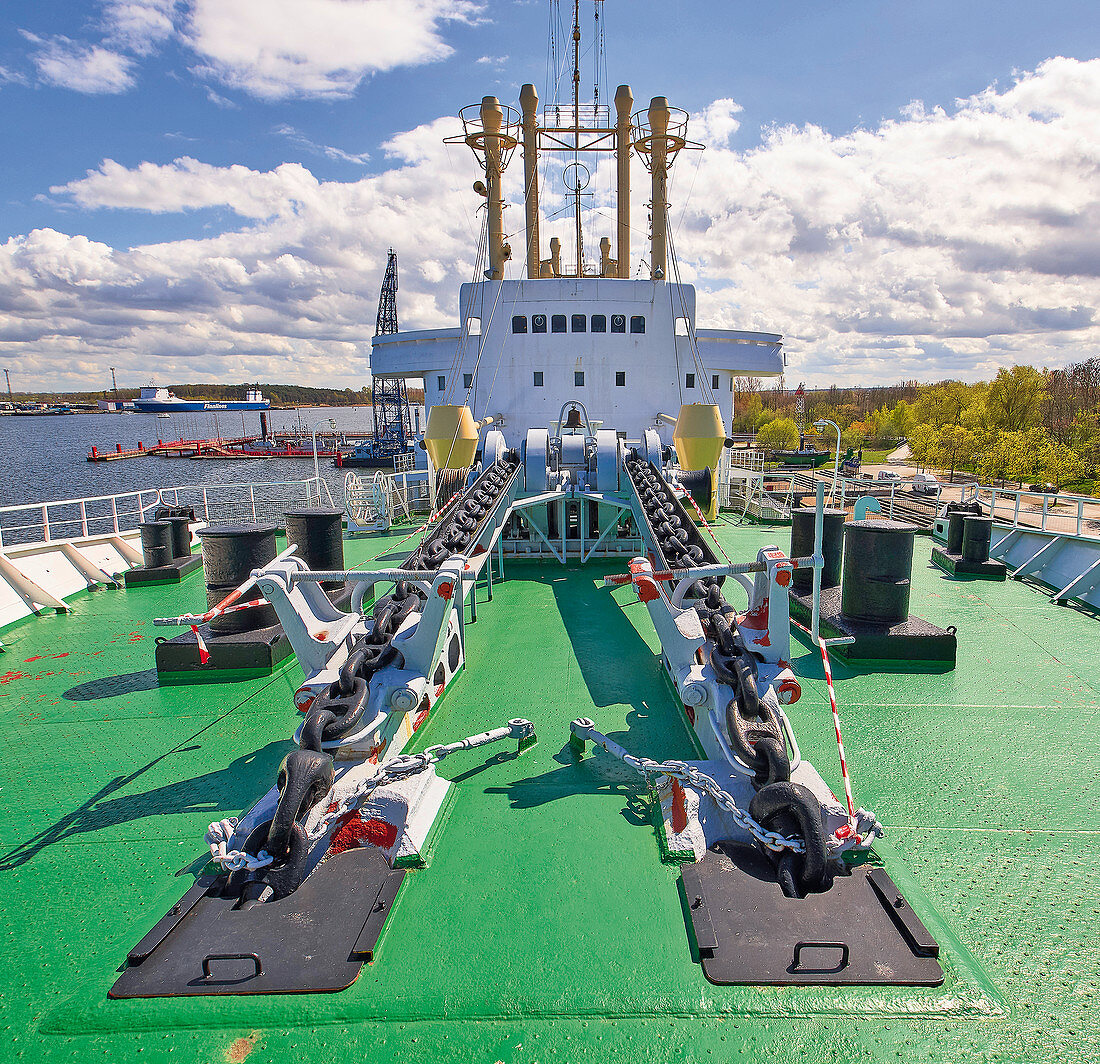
x=1016, y=509
x=205, y=507
x=45, y=523
x=1046, y=507
x=114, y=513
x=252, y=497
x=1080, y=514
x=83, y=518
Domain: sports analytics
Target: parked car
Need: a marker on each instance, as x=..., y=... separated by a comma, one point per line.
x=925, y=483
x=1048, y=489
x=887, y=474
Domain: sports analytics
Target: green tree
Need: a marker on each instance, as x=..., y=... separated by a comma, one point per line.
x=1016, y=399
x=780, y=434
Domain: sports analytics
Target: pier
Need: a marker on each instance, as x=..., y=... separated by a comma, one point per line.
x=275, y=445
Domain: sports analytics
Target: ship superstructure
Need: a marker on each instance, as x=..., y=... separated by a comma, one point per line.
x=569, y=329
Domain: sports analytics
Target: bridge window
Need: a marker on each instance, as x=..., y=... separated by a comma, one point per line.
x=557, y=323
x=620, y=379
x=579, y=323
x=637, y=324
x=467, y=380
x=473, y=326
x=578, y=378
x=714, y=382
x=618, y=323
x=538, y=378
x=599, y=323
x=689, y=380
x=442, y=382
x=538, y=323
x=519, y=323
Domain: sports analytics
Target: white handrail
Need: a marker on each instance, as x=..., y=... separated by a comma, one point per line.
x=119, y=508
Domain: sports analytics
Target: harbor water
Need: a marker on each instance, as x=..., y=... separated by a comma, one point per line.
x=46, y=457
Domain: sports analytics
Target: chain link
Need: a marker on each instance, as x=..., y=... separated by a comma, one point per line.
x=708, y=785
x=401, y=767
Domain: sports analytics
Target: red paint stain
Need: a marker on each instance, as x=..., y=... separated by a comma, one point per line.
x=420, y=718
x=238, y=1052
x=647, y=590
x=439, y=690
x=135, y=636
x=9, y=676
x=37, y=657
x=679, y=807
x=354, y=831
x=64, y=654
x=446, y=589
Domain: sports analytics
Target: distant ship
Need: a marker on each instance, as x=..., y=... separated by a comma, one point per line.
x=154, y=400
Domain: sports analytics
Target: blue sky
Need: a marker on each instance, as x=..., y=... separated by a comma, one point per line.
x=243, y=139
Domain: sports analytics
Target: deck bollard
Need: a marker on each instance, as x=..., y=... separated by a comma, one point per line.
x=229, y=554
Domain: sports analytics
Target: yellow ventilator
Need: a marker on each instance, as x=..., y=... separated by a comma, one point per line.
x=451, y=436
x=699, y=436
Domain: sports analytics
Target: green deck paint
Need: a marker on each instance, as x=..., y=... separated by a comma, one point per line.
x=545, y=927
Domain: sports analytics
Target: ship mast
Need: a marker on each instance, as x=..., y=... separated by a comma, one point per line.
x=493, y=131
x=577, y=132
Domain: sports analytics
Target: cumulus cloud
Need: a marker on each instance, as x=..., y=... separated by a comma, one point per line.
x=270, y=49
x=187, y=185
x=84, y=68
x=945, y=242
x=274, y=49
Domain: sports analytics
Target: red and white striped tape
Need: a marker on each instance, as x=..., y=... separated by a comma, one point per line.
x=839, y=740
x=695, y=505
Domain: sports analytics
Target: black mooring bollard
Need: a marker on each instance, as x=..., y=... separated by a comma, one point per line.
x=229, y=554
x=878, y=570
x=156, y=543
x=319, y=536
x=977, y=534
x=802, y=546
x=181, y=536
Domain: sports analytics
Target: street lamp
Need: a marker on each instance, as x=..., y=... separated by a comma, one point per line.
x=316, y=467
x=819, y=425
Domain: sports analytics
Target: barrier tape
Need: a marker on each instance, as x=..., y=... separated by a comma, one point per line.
x=839, y=740
x=695, y=506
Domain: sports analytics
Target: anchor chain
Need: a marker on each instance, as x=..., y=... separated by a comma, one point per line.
x=275, y=851
x=752, y=723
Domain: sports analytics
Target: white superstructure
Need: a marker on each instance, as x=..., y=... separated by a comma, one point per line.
x=572, y=329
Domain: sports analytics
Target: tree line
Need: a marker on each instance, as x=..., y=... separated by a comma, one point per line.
x=1025, y=425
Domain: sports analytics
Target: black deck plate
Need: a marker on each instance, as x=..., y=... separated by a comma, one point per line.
x=913, y=640
x=315, y=940
x=957, y=565
x=861, y=932
x=172, y=573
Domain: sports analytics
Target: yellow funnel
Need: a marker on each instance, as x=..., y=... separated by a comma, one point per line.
x=451, y=436
x=699, y=436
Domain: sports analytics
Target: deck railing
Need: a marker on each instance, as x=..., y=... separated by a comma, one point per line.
x=96, y=515
x=1049, y=511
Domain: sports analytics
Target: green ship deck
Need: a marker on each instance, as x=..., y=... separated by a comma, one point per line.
x=546, y=927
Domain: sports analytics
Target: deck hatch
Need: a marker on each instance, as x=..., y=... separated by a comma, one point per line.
x=861, y=932
x=317, y=939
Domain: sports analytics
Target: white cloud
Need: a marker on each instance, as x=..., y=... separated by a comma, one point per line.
x=297, y=137
x=941, y=243
x=84, y=68
x=139, y=26
x=274, y=49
